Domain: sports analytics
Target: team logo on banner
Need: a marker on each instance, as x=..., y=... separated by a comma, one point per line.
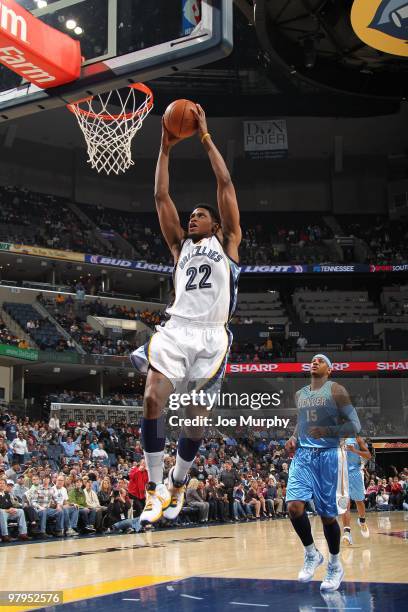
x=382, y=24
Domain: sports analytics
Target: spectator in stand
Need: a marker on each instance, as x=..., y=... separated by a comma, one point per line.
x=195, y=499
x=284, y=474
x=11, y=429
x=280, y=498
x=382, y=499
x=70, y=446
x=14, y=472
x=40, y=497
x=371, y=494
x=396, y=494
x=76, y=497
x=100, y=454
x=117, y=514
x=70, y=511
x=241, y=510
x=229, y=479
x=210, y=496
x=105, y=493
x=252, y=499
x=9, y=513
x=54, y=423
x=301, y=342
x=92, y=502
x=19, y=448
x=270, y=495
x=19, y=489
x=138, y=479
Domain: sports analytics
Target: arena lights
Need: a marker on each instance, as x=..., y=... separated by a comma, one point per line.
x=70, y=24
x=41, y=3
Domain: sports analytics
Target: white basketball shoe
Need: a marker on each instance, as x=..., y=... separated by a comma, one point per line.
x=365, y=532
x=311, y=563
x=177, y=492
x=333, y=577
x=157, y=500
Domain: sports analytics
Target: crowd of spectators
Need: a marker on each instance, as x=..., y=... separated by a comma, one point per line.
x=386, y=238
x=140, y=230
x=87, y=397
x=73, y=308
x=6, y=337
x=251, y=352
x=75, y=473
x=63, y=479
x=45, y=220
x=71, y=313
x=387, y=493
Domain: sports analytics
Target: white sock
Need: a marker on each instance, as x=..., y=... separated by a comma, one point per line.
x=334, y=559
x=311, y=548
x=181, y=468
x=154, y=464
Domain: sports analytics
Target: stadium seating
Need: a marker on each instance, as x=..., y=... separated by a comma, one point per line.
x=335, y=306
x=260, y=308
x=45, y=335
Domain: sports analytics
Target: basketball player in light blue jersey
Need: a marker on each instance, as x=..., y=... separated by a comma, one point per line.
x=192, y=347
x=357, y=453
x=319, y=468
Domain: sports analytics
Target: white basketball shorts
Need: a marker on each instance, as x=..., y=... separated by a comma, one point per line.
x=190, y=355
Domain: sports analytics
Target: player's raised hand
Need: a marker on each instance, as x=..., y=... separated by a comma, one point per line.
x=201, y=120
x=168, y=140
x=350, y=448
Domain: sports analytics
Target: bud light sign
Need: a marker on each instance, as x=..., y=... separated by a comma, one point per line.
x=265, y=139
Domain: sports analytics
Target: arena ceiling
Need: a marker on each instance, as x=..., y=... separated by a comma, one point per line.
x=295, y=57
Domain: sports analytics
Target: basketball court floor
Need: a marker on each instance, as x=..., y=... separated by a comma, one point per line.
x=224, y=567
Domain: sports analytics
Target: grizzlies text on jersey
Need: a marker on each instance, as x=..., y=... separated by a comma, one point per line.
x=205, y=283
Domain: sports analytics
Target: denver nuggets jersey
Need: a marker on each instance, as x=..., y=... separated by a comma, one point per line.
x=205, y=283
x=355, y=462
x=316, y=409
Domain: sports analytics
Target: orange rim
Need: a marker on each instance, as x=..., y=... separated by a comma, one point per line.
x=74, y=106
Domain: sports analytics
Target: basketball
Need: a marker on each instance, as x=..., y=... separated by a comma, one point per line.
x=180, y=120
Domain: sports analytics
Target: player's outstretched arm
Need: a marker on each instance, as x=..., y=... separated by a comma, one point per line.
x=168, y=216
x=226, y=196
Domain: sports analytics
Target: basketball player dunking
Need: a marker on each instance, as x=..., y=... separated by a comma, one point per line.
x=319, y=468
x=194, y=343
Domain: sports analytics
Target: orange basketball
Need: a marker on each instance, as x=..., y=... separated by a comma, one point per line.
x=179, y=119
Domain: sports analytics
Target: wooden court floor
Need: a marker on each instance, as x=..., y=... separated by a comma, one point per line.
x=92, y=567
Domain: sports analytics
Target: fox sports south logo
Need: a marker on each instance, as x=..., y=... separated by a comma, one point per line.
x=382, y=24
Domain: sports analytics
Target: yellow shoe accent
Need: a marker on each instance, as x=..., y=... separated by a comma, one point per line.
x=176, y=500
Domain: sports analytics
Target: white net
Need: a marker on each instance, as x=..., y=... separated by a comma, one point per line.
x=109, y=135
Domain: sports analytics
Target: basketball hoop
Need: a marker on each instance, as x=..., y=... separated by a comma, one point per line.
x=109, y=136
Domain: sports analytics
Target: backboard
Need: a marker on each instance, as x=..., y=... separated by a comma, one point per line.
x=122, y=41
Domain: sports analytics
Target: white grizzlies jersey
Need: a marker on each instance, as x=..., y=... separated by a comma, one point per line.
x=205, y=283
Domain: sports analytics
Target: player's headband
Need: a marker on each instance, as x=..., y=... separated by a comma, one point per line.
x=325, y=359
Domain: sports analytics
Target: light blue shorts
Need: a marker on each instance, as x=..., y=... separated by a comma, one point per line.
x=320, y=474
